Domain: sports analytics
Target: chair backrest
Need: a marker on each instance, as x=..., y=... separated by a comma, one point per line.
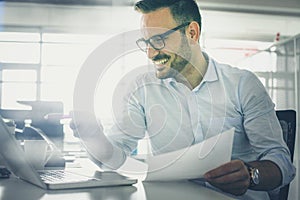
x=287, y=119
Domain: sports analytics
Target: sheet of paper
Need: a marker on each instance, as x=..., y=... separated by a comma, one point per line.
x=191, y=162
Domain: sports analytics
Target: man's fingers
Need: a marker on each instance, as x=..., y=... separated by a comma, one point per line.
x=227, y=168
x=232, y=177
x=229, y=178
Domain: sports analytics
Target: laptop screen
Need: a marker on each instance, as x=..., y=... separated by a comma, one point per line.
x=14, y=157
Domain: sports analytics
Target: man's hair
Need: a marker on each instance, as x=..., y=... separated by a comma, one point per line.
x=181, y=10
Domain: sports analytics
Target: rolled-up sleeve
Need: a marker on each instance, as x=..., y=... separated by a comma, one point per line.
x=262, y=126
x=128, y=125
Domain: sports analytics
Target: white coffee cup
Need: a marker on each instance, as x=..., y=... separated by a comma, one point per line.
x=37, y=152
x=11, y=125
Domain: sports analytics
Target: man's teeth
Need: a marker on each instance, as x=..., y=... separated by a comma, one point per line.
x=161, y=62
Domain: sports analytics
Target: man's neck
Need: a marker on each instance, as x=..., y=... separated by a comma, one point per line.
x=194, y=72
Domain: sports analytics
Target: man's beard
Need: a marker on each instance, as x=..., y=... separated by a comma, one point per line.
x=183, y=56
x=181, y=59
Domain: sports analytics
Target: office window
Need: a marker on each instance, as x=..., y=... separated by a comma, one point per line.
x=58, y=84
x=18, y=47
x=122, y=67
x=19, y=57
x=19, y=36
x=238, y=52
x=20, y=75
x=18, y=85
x=15, y=92
x=62, y=58
x=14, y=52
x=41, y=66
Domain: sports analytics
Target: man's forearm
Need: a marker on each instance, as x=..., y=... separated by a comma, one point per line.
x=103, y=153
x=270, y=175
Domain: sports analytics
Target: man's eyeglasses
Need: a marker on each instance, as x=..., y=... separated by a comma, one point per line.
x=157, y=42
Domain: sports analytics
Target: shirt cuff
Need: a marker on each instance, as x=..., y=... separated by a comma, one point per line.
x=283, y=161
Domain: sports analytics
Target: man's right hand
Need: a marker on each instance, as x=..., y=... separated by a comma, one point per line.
x=90, y=131
x=85, y=125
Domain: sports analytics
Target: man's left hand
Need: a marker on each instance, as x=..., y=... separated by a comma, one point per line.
x=232, y=177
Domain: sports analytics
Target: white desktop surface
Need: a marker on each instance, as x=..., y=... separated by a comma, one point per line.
x=15, y=189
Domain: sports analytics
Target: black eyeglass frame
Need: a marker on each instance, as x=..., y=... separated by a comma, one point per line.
x=161, y=36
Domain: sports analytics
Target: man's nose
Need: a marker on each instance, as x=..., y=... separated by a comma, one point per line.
x=151, y=52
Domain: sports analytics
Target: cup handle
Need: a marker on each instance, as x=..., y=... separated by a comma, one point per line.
x=49, y=153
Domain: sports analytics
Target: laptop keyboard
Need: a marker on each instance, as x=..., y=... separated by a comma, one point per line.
x=61, y=176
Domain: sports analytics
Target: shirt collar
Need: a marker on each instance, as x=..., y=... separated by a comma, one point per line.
x=210, y=74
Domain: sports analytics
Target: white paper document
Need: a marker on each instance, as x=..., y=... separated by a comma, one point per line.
x=191, y=162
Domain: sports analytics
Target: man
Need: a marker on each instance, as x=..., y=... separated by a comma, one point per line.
x=192, y=97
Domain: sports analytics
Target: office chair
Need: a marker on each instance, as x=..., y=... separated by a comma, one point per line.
x=287, y=120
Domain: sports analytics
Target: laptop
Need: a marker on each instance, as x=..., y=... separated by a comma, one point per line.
x=16, y=162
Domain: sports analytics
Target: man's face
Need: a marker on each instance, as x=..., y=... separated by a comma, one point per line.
x=173, y=58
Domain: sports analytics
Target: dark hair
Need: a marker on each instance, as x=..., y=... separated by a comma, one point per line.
x=181, y=10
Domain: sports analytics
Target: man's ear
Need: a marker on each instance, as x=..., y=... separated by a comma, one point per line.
x=193, y=32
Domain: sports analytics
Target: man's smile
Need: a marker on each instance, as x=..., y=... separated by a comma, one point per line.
x=161, y=61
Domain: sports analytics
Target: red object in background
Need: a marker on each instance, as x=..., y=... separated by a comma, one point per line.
x=277, y=38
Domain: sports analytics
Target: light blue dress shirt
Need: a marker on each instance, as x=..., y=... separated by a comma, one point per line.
x=174, y=117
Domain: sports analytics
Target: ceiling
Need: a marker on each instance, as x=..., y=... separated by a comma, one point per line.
x=257, y=20
x=273, y=7
x=78, y=2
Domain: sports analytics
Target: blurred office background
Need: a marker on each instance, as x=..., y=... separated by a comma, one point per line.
x=43, y=44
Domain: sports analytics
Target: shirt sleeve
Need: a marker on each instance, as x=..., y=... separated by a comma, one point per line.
x=262, y=126
x=128, y=125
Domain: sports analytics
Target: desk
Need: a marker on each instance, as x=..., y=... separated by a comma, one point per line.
x=15, y=189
